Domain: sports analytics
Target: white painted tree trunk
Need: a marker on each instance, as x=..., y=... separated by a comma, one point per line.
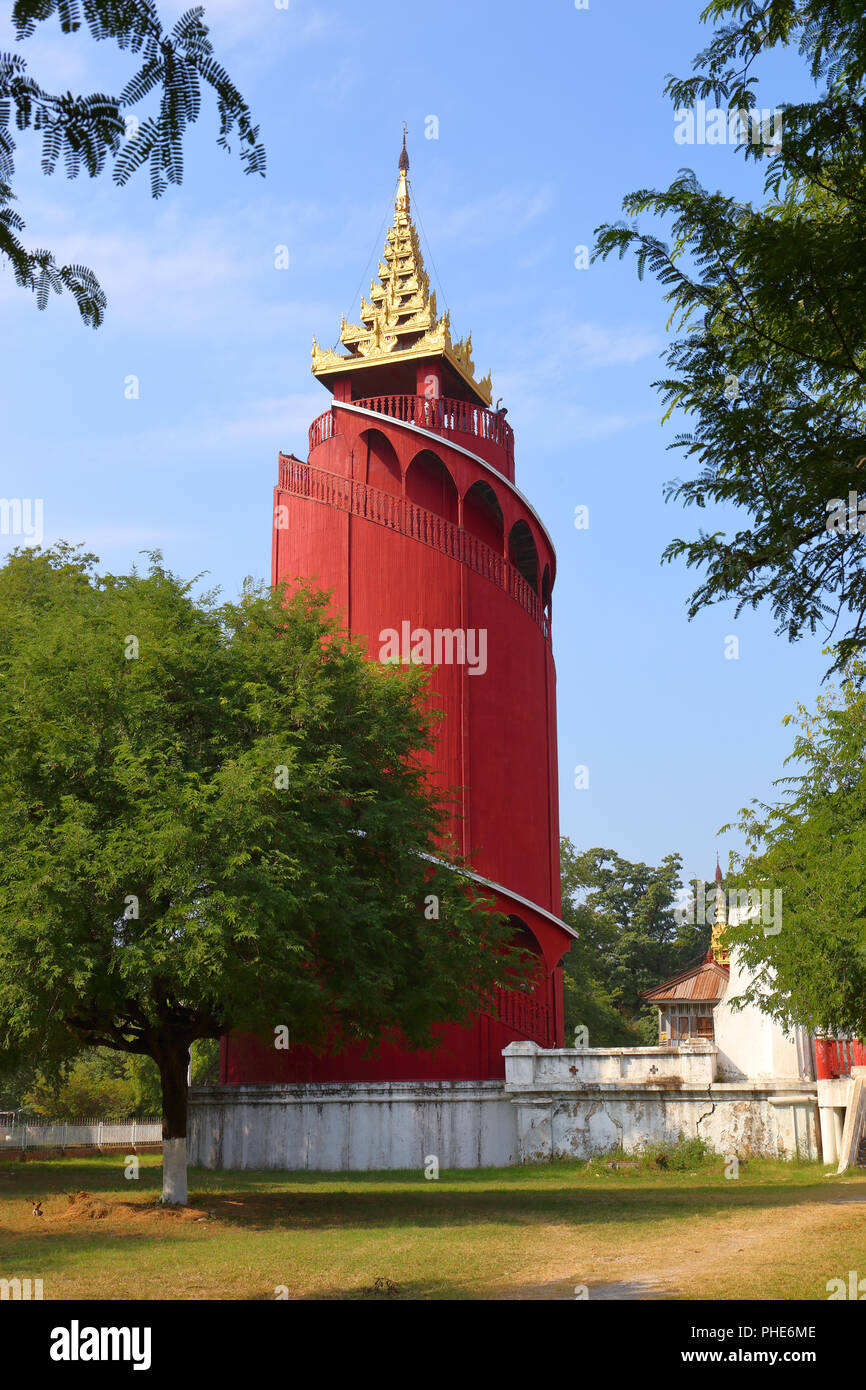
x=174, y=1172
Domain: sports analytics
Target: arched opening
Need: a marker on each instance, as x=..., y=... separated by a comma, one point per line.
x=482, y=515
x=522, y=937
x=522, y=553
x=382, y=464
x=525, y=1009
x=430, y=485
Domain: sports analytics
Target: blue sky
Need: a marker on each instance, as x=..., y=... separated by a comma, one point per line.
x=547, y=116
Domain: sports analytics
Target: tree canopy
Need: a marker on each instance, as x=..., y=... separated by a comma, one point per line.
x=770, y=304
x=89, y=132
x=630, y=938
x=217, y=816
x=811, y=845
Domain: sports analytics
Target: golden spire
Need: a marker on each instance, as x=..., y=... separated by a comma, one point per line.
x=400, y=320
x=402, y=203
x=718, y=950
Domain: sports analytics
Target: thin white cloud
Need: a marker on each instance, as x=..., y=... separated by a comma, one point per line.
x=284, y=22
x=547, y=380
x=212, y=276
x=543, y=423
x=282, y=422
x=555, y=352
x=501, y=214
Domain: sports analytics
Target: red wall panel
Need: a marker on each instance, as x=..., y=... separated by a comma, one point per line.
x=497, y=744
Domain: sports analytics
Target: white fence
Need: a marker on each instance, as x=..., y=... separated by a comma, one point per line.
x=74, y=1134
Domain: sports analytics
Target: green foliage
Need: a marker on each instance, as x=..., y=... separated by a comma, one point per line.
x=84, y=131
x=770, y=303
x=217, y=817
x=811, y=846
x=587, y=1004
x=680, y=1155
x=587, y=999
x=629, y=939
x=99, y=1084
x=675, y=1156
x=205, y=1062
x=145, y=1092
x=16, y=1076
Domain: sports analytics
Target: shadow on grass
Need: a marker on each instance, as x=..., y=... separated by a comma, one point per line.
x=317, y=1201
x=434, y=1207
x=555, y=1291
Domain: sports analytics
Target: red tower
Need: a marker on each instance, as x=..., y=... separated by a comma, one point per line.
x=406, y=508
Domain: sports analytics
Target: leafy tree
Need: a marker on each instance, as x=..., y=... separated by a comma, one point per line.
x=630, y=938
x=217, y=817
x=770, y=305
x=94, y=1085
x=105, y=1084
x=145, y=1092
x=17, y=1074
x=87, y=132
x=587, y=1000
x=811, y=845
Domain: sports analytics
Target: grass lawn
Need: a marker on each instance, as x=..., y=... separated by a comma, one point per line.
x=779, y=1231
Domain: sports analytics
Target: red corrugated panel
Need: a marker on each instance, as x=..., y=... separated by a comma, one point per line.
x=706, y=981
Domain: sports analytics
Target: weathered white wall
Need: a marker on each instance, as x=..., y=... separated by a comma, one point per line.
x=549, y=1106
x=694, y=1062
x=357, y=1127
x=563, y=1114
x=753, y=1045
x=737, y=1120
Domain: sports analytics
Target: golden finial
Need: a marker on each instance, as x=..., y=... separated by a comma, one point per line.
x=402, y=203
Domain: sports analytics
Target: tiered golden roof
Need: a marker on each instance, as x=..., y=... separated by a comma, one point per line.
x=399, y=322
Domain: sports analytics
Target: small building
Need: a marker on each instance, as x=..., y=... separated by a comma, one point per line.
x=687, y=1002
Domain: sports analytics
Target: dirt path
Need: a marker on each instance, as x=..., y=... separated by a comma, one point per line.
x=715, y=1247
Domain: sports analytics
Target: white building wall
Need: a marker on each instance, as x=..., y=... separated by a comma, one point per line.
x=751, y=1044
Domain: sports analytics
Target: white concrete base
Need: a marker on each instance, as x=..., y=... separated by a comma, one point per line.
x=357, y=1127
x=174, y=1172
x=759, y=1121
x=564, y=1111
x=460, y=1124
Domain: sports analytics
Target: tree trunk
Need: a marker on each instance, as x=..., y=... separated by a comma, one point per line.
x=172, y=1058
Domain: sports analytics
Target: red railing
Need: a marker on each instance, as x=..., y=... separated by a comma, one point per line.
x=430, y=413
x=399, y=514
x=836, y=1056
x=321, y=429
x=526, y=1014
